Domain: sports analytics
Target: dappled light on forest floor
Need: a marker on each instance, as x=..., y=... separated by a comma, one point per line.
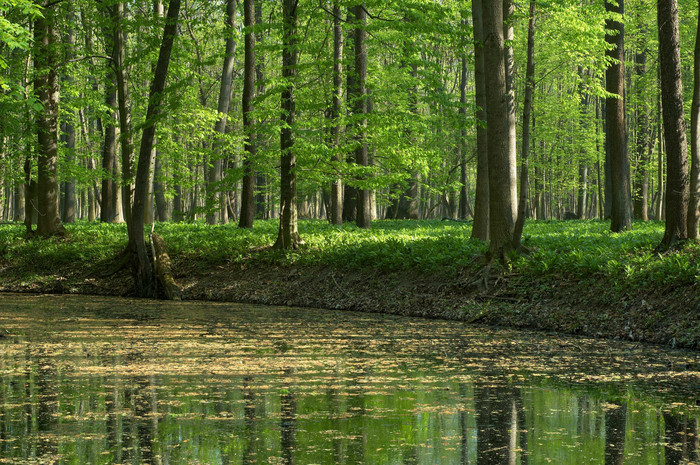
x=102, y=380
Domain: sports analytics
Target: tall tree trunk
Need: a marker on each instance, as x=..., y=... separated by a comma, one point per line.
x=109, y=145
x=68, y=136
x=508, y=57
x=141, y=264
x=677, y=187
x=501, y=208
x=364, y=216
x=124, y=102
x=159, y=190
x=262, y=209
x=694, y=205
x=480, y=228
x=288, y=235
x=641, y=198
x=464, y=207
x=336, y=206
x=621, y=219
x=527, y=110
x=248, y=192
x=46, y=89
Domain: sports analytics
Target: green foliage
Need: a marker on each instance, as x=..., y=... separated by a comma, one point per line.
x=578, y=250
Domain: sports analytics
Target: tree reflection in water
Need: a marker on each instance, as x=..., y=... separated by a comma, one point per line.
x=298, y=386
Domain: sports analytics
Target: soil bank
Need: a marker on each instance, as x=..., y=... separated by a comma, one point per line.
x=591, y=307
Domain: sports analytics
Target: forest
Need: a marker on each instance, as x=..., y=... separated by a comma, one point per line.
x=485, y=115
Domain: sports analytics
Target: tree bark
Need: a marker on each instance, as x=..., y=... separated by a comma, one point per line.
x=336, y=206
x=641, y=198
x=248, y=191
x=464, y=207
x=694, y=205
x=527, y=110
x=262, y=209
x=124, y=102
x=621, y=219
x=508, y=57
x=677, y=187
x=288, y=235
x=109, y=145
x=364, y=216
x=46, y=89
x=141, y=263
x=68, y=129
x=501, y=208
x=480, y=228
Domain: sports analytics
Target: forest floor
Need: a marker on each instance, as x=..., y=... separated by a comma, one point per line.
x=578, y=277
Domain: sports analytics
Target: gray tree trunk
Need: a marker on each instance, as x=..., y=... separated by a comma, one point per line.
x=694, y=205
x=480, y=228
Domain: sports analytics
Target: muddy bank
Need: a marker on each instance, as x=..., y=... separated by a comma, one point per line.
x=668, y=316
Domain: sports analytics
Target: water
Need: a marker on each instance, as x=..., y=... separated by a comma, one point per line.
x=87, y=380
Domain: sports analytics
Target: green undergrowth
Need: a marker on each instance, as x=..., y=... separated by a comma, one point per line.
x=578, y=250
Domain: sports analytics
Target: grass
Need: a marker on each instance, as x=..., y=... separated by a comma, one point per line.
x=570, y=249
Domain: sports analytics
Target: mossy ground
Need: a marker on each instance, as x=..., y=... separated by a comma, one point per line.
x=577, y=278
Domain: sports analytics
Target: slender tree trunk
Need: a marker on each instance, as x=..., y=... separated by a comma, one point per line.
x=124, y=102
x=68, y=136
x=464, y=207
x=336, y=210
x=159, y=190
x=109, y=147
x=288, y=235
x=46, y=89
x=141, y=264
x=501, y=208
x=262, y=207
x=364, y=216
x=508, y=57
x=248, y=191
x=527, y=110
x=616, y=127
x=677, y=187
x=480, y=228
x=694, y=205
x=641, y=198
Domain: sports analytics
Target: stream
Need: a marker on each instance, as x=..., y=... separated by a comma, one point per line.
x=96, y=380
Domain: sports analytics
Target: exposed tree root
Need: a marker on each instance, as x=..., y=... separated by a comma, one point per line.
x=163, y=269
x=122, y=260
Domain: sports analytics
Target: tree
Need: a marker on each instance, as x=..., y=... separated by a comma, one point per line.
x=359, y=92
x=288, y=235
x=46, y=89
x=141, y=263
x=677, y=188
x=694, y=204
x=248, y=191
x=480, y=229
x=501, y=208
x=527, y=109
x=621, y=219
x=336, y=206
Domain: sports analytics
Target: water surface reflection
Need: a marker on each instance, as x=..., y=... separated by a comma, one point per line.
x=94, y=380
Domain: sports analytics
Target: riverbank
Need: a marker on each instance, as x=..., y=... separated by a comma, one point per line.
x=579, y=279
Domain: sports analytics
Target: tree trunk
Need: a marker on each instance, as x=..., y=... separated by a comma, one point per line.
x=620, y=214
x=336, y=206
x=124, y=101
x=694, y=205
x=46, y=89
x=141, y=263
x=288, y=235
x=677, y=187
x=508, y=11
x=68, y=136
x=159, y=191
x=364, y=216
x=480, y=228
x=501, y=208
x=641, y=198
x=248, y=192
x=262, y=209
x=527, y=110
x=109, y=147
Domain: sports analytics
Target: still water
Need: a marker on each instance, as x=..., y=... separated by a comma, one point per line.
x=91, y=380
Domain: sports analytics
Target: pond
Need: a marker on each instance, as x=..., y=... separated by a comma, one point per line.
x=93, y=380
